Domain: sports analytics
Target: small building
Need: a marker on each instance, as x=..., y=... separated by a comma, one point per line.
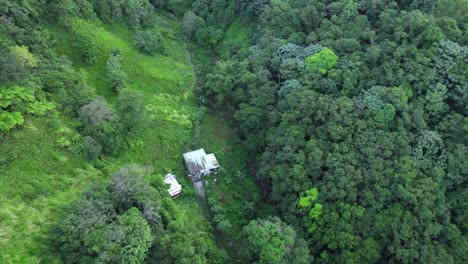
x=174, y=187
x=200, y=164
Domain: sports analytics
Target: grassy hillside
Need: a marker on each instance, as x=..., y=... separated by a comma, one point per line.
x=38, y=177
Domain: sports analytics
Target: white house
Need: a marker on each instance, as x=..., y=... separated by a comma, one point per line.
x=200, y=164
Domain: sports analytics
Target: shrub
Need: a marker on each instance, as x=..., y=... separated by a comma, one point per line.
x=91, y=148
x=149, y=43
x=116, y=75
x=86, y=46
x=99, y=121
x=16, y=101
x=131, y=109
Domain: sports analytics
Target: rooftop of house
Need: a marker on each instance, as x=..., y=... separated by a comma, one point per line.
x=198, y=161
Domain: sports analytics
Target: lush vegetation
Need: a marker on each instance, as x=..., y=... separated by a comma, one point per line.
x=348, y=137
x=356, y=114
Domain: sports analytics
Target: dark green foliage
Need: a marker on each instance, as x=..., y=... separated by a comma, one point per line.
x=149, y=42
x=366, y=102
x=91, y=148
x=127, y=240
x=272, y=241
x=84, y=43
x=222, y=223
x=63, y=12
x=109, y=10
x=228, y=82
x=451, y=72
x=137, y=13
x=132, y=221
x=191, y=23
x=208, y=19
x=250, y=10
x=430, y=148
x=117, y=76
x=98, y=230
x=16, y=64
x=128, y=186
x=179, y=6
x=66, y=86
x=101, y=123
x=288, y=86
x=92, y=212
x=131, y=110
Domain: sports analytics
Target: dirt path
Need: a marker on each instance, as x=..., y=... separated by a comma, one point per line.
x=200, y=188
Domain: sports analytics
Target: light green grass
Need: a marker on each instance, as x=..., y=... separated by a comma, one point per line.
x=165, y=81
x=150, y=74
x=215, y=135
x=37, y=178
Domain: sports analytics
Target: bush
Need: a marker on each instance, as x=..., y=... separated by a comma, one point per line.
x=149, y=43
x=115, y=73
x=16, y=101
x=131, y=110
x=15, y=64
x=66, y=86
x=99, y=122
x=191, y=23
x=86, y=46
x=91, y=148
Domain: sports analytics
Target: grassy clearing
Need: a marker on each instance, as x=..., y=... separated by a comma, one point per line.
x=233, y=189
x=236, y=37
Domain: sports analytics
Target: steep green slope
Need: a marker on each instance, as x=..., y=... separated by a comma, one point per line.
x=39, y=177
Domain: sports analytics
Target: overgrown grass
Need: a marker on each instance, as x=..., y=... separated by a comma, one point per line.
x=37, y=178
x=232, y=188
x=235, y=38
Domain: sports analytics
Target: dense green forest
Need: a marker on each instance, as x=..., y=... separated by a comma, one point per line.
x=341, y=128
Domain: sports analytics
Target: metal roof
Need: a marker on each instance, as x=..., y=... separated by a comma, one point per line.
x=213, y=160
x=198, y=161
x=175, y=188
